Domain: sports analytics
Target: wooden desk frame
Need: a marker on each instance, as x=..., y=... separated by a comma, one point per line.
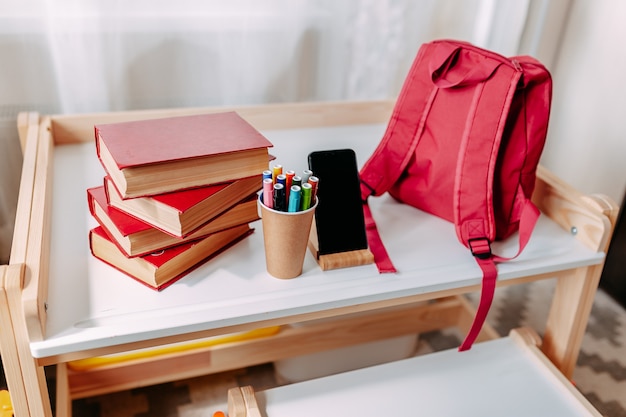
x=24, y=285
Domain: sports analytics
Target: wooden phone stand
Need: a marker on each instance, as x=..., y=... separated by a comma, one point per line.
x=340, y=259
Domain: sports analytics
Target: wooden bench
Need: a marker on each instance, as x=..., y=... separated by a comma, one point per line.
x=504, y=377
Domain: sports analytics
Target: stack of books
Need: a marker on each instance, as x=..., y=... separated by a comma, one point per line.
x=177, y=191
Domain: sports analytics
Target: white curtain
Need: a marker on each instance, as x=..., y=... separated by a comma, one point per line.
x=75, y=56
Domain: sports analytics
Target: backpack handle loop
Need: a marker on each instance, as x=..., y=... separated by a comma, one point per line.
x=455, y=66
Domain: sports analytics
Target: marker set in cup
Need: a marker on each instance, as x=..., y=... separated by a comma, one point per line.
x=286, y=191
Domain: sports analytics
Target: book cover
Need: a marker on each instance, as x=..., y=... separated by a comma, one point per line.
x=161, y=269
x=135, y=237
x=155, y=156
x=182, y=213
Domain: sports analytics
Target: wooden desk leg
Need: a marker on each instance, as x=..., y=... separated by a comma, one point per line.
x=26, y=121
x=568, y=317
x=242, y=402
x=63, y=400
x=33, y=375
x=10, y=357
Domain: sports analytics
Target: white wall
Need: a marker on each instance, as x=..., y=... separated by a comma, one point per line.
x=587, y=134
x=77, y=56
x=247, y=52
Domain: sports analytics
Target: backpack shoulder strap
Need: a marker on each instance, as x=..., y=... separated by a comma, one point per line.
x=472, y=230
x=391, y=156
x=478, y=153
x=394, y=151
x=473, y=193
x=480, y=145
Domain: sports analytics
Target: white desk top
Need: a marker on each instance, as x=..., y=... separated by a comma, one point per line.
x=91, y=305
x=493, y=379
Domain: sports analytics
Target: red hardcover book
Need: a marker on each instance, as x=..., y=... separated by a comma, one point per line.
x=156, y=156
x=182, y=213
x=135, y=237
x=161, y=269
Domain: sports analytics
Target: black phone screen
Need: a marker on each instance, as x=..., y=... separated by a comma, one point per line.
x=339, y=215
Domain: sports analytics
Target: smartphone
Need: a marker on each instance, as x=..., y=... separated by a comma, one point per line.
x=339, y=215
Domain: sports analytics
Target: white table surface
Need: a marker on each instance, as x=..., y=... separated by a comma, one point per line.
x=91, y=305
x=494, y=379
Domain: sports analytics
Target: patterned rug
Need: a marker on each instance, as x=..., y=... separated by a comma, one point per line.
x=600, y=373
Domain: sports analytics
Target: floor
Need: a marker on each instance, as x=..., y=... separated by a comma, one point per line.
x=600, y=373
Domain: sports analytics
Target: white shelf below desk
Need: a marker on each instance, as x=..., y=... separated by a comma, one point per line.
x=502, y=377
x=91, y=305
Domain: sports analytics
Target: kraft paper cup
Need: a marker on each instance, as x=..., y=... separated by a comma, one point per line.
x=285, y=235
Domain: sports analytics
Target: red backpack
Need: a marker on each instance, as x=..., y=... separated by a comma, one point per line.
x=463, y=143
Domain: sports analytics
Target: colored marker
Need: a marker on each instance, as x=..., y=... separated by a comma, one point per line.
x=281, y=179
x=289, y=177
x=297, y=181
x=305, y=199
x=305, y=175
x=314, y=181
x=268, y=174
x=268, y=192
x=279, y=197
x=294, y=198
x=276, y=170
